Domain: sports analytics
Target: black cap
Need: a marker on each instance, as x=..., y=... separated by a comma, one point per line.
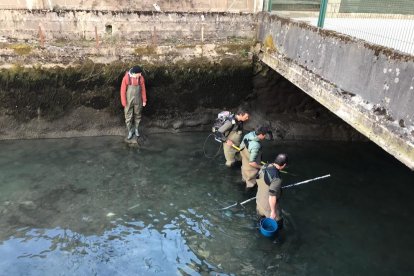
x=281, y=159
x=262, y=130
x=135, y=70
x=265, y=130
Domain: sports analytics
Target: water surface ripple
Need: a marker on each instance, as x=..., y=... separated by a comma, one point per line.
x=94, y=206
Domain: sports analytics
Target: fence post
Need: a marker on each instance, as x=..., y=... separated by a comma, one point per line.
x=322, y=13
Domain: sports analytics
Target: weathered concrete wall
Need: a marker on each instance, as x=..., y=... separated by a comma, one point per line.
x=146, y=5
x=370, y=87
x=137, y=27
x=47, y=94
x=291, y=113
x=68, y=84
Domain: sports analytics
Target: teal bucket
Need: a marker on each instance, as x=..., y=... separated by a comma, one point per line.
x=268, y=227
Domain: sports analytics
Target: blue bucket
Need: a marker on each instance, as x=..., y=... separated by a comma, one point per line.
x=268, y=227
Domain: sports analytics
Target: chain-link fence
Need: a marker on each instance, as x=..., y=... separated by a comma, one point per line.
x=388, y=23
x=295, y=5
x=377, y=6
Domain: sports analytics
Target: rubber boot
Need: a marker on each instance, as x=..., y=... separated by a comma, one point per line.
x=136, y=132
x=130, y=134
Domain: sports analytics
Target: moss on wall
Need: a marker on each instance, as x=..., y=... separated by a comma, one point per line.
x=21, y=49
x=145, y=50
x=27, y=93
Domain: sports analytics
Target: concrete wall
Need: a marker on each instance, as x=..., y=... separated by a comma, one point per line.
x=131, y=26
x=368, y=86
x=146, y=5
x=195, y=64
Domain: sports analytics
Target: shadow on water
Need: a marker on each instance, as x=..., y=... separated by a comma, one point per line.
x=95, y=206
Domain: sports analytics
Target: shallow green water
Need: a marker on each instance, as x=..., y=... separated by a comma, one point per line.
x=93, y=206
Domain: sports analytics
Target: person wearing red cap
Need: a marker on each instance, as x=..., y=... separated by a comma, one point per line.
x=133, y=99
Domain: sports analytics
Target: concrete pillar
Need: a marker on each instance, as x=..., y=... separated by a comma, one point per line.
x=258, y=5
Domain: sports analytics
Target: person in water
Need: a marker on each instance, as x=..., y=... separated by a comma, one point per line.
x=133, y=99
x=269, y=189
x=251, y=154
x=230, y=133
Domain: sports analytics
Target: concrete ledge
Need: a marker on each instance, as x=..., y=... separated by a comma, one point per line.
x=376, y=128
x=137, y=26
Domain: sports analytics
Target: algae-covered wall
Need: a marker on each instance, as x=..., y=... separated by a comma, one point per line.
x=60, y=74
x=84, y=98
x=49, y=93
x=60, y=71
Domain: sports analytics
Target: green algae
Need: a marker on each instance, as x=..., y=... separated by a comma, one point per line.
x=269, y=45
x=172, y=88
x=145, y=50
x=21, y=49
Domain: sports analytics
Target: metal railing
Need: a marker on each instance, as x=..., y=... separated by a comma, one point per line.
x=389, y=23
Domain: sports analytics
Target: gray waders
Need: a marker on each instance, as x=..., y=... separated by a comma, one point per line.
x=133, y=106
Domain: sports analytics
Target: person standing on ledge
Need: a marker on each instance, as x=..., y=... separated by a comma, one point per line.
x=269, y=190
x=230, y=133
x=133, y=99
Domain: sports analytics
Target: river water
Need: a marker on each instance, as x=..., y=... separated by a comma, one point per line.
x=94, y=206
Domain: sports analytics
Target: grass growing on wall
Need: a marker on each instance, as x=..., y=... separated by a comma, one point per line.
x=21, y=49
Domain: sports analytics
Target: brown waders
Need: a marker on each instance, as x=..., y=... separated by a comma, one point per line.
x=229, y=151
x=248, y=172
x=133, y=106
x=262, y=200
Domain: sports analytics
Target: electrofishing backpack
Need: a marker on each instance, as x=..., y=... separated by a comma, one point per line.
x=266, y=175
x=222, y=117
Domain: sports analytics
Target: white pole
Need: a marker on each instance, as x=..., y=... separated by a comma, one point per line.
x=291, y=185
x=306, y=181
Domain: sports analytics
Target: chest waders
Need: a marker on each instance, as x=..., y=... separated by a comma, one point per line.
x=230, y=152
x=248, y=172
x=133, y=106
x=262, y=197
